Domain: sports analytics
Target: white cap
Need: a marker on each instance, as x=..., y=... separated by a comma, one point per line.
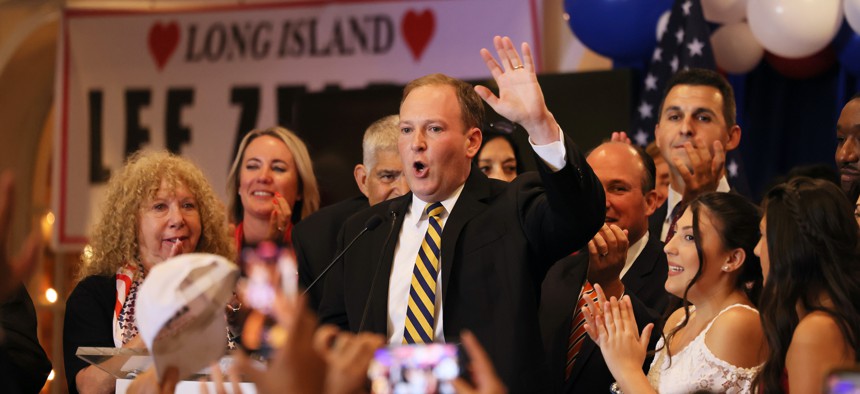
x=180, y=311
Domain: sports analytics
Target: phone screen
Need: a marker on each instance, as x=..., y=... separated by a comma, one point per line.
x=265, y=268
x=422, y=368
x=844, y=381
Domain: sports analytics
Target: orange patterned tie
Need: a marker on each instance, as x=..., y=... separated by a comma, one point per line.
x=577, y=328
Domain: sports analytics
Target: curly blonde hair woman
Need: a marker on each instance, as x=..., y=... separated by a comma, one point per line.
x=157, y=206
x=271, y=186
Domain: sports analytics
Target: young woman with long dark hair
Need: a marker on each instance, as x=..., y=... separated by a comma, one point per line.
x=810, y=306
x=714, y=342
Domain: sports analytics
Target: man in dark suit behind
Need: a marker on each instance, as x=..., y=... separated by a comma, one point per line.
x=379, y=177
x=497, y=239
x=633, y=264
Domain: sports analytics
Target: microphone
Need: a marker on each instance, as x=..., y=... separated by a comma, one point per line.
x=372, y=223
x=393, y=209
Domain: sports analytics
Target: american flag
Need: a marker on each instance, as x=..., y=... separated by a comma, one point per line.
x=684, y=44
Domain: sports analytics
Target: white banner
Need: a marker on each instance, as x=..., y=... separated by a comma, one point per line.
x=179, y=80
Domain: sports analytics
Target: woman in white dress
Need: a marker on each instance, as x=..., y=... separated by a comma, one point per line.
x=714, y=342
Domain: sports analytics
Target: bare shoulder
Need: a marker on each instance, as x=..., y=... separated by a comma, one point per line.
x=817, y=331
x=737, y=337
x=817, y=346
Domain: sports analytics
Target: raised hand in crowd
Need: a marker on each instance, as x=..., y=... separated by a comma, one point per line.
x=520, y=97
x=612, y=326
x=620, y=136
x=706, y=170
x=296, y=367
x=481, y=370
x=14, y=270
x=607, y=253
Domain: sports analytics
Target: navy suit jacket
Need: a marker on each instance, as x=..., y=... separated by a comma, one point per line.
x=497, y=244
x=643, y=282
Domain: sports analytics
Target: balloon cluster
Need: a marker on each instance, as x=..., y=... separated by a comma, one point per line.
x=798, y=38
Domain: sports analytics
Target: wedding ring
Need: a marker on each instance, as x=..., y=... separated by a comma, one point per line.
x=519, y=67
x=604, y=254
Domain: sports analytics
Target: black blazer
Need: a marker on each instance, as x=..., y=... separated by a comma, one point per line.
x=656, y=221
x=24, y=366
x=497, y=244
x=315, y=242
x=644, y=283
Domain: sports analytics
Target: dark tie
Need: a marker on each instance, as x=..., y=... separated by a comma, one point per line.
x=676, y=214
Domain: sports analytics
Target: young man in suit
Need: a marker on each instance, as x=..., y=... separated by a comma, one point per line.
x=696, y=128
x=631, y=263
x=379, y=177
x=476, y=258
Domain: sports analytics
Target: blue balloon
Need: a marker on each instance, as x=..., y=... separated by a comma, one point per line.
x=847, y=46
x=623, y=30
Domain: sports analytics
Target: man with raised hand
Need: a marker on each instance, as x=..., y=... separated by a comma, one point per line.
x=468, y=252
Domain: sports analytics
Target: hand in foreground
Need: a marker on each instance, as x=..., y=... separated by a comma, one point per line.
x=279, y=219
x=295, y=367
x=13, y=271
x=520, y=97
x=348, y=356
x=622, y=346
x=706, y=170
x=218, y=381
x=147, y=382
x=607, y=254
x=481, y=370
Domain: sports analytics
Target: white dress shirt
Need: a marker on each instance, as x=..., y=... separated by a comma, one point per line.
x=675, y=197
x=409, y=241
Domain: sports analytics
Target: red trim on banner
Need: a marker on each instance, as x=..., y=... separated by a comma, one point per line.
x=64, y=143
x=75, y=12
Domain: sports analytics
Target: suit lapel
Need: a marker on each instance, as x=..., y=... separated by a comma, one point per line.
x=655, y=221
x=470, y=203
x=634, y=279
x=378, y=313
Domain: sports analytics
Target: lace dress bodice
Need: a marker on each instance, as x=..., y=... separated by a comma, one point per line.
x=695, y=368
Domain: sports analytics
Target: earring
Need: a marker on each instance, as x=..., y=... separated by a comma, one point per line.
x=726, y=268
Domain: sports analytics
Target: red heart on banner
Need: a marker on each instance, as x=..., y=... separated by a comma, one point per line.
x=163, y=40
x=417, y=30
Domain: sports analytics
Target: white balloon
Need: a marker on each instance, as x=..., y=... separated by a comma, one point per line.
x=724, y=11
x=852, y=13
x=735, y=48
x=662, y=23
x=794, y=28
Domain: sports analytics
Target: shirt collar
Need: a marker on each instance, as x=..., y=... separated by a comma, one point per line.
x=416, y=211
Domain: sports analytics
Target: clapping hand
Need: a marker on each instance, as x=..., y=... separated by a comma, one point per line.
x=616, y=333
x=705, y=170
x=607, y=254
x=279, y=219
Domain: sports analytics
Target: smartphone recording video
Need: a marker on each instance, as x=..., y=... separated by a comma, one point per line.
x=265, y=268
x=422, y=368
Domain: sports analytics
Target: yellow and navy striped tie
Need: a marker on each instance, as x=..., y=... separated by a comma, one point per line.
x=421, y=313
